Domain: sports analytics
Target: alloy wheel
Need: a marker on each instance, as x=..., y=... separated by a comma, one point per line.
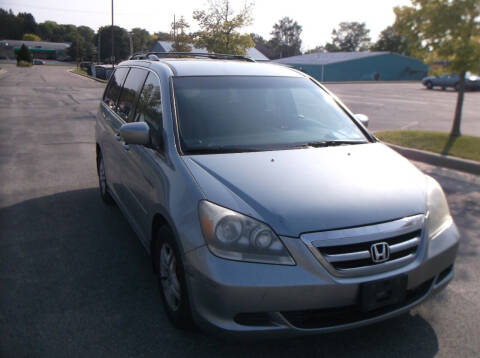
x=168, y=277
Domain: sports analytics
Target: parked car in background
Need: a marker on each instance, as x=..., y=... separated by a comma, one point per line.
x=103, y=71
x=36, y=61
x=266, y=205
x=65, y=59
x=472, y=81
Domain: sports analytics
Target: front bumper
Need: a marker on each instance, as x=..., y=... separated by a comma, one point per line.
x=240, y=298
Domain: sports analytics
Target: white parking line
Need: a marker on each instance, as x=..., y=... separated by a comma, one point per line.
x=409, y=125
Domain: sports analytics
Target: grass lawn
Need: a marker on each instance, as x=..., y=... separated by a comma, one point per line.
x=467, y=147
x=80, y=71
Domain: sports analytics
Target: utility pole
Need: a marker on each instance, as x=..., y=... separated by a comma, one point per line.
x=113, y=56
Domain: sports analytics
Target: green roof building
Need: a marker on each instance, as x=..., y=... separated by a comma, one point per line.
x=358, y=66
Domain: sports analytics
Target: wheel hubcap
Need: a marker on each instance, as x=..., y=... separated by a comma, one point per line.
x=168, y=277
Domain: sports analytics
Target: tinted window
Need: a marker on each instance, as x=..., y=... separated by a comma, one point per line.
x=111, y=94
x=255, y=113
x=131, y=87
x=149, y=107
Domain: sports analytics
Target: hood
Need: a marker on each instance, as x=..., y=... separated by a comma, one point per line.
x=308, y=190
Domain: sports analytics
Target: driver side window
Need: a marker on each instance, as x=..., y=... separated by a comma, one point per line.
x=149, y=108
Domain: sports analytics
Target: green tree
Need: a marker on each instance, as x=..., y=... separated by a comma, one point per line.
x=28, y=23
x=140, y=39
x=349, y=37
x=446, y=30
x=24, y=54
x=13, y=27
x=9, y=26
x=264, y=46
x=82, y=46
x=316, y=49
x=389, y=40
x=121, y=43
x=31, y=37
x=286, y=38
x=219, y=27
x=181, y=40
x=49, y=30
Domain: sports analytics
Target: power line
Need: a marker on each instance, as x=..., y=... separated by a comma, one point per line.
x=58, y=9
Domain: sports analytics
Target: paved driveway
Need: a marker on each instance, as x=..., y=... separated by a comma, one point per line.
x=76, y=282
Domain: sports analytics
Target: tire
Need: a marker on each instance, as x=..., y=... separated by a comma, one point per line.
x=102, y=182
x=429, y=85
x=168, y=265
x=443, y=88
x=457, y=87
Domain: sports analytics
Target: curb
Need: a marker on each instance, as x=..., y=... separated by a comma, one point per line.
x=463, y=165
x=87, y=76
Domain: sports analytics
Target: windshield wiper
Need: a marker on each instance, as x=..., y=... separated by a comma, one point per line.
x=331, y=143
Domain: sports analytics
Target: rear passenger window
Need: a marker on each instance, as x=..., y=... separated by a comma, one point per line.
x=149, y=108
x=112, y=92
x=131, y=87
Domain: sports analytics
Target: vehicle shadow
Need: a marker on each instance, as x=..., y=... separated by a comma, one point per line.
x=75, y=281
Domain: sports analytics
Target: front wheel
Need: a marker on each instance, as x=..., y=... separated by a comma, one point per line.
x=429, y=85
x=102, y=182
x=171, y=278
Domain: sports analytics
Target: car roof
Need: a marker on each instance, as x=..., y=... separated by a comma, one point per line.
x=214, y=67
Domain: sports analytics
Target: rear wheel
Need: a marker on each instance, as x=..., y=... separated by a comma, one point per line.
x=171, y=278
x=429, y=84
x=102, y=182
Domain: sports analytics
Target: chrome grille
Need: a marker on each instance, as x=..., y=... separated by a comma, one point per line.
x=359, y=255
x=348, y=252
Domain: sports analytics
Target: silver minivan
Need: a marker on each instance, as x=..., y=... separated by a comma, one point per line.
x=266, y=205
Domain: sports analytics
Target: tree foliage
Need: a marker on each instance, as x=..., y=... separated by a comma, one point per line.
x=85, y=50
x=447, y=30
x=286, y=40
x=349, y=37
x=219, y=28
x=316, y=49
x=181, y=39
x=264, y=46
x=31, y=37
x=140, y=39
x=24, y=54
x=121, y=43
x=389, y=40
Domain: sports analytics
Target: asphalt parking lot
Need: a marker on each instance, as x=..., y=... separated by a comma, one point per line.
x=76, y=282
x=409, y=106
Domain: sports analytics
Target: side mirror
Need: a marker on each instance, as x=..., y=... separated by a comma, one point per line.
x=135, y=133
x=362, y=118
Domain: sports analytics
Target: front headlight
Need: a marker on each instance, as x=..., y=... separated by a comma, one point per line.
x=234, y=236
x=438, y=214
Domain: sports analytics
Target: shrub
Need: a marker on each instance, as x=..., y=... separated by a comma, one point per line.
x=24, y=55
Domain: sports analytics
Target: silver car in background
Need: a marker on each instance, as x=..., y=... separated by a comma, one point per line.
x=266, y=205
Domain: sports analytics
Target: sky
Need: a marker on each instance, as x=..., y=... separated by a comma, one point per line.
x=317, y=17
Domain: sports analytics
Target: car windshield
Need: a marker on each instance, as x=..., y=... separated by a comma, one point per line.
x=247, y=113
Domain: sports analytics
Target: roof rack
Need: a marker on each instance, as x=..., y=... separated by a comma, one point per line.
x=155, y=56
